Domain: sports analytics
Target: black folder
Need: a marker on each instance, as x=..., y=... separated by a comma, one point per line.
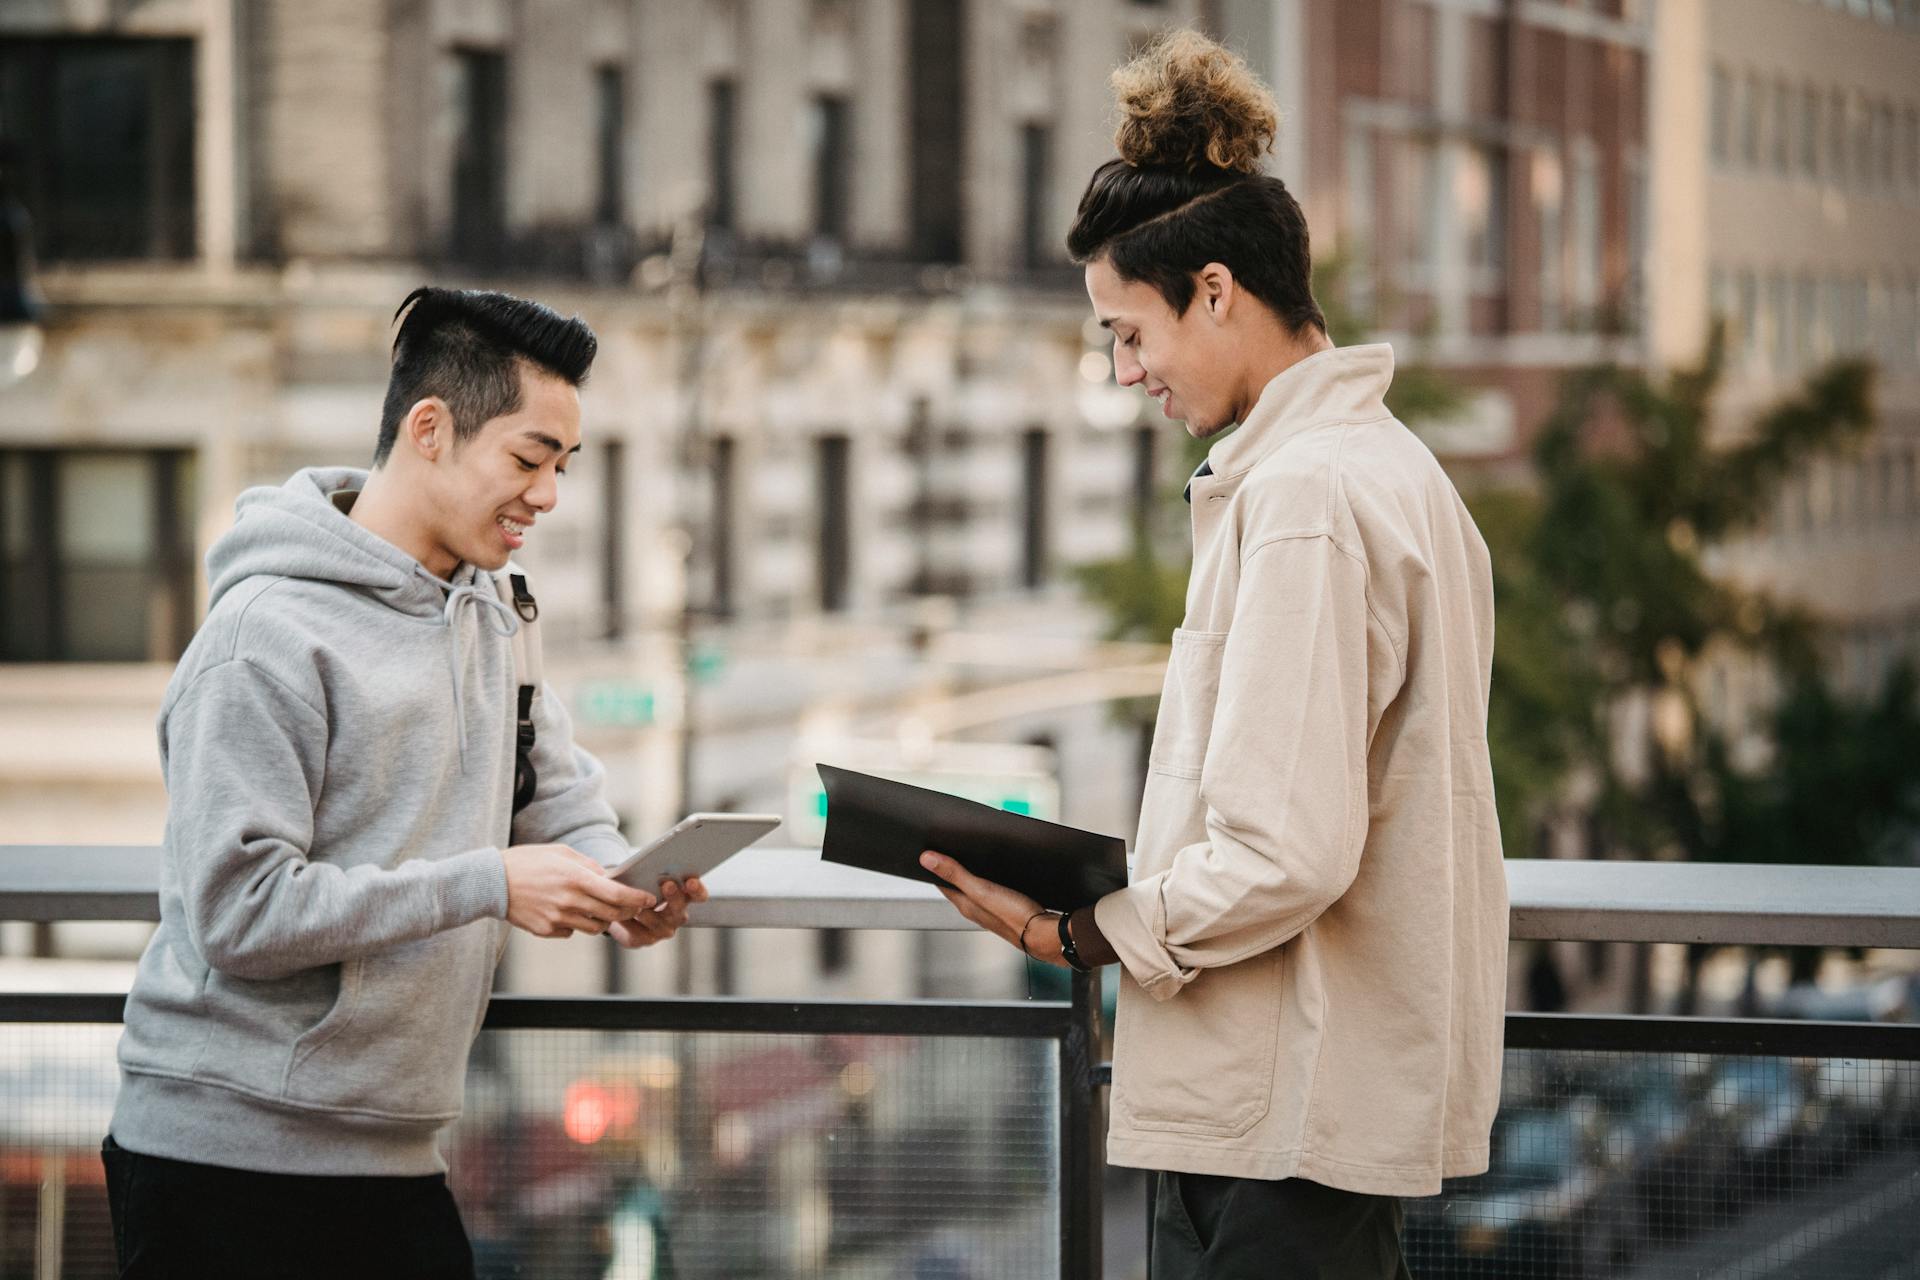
x=882, y=825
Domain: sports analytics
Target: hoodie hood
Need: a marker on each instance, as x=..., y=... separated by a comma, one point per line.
x=300, y=529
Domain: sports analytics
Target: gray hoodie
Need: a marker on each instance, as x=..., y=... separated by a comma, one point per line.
x=338, y=751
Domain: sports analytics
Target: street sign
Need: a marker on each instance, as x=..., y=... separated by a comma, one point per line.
x=616, y=704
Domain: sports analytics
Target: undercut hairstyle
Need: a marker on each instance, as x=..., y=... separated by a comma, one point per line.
x=467, y=346
x=1187, y=189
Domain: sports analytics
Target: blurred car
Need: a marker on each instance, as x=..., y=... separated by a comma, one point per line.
x=1762, y=1128
x=1553, y=1202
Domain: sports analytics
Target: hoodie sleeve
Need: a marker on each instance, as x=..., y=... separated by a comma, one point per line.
x=569, y=803
x=244, y=758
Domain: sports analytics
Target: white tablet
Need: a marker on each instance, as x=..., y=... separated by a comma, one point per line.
x=697, y=844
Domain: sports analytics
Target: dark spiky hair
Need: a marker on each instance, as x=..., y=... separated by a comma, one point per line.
x=466, y=346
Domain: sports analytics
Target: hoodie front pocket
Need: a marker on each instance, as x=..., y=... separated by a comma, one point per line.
x=253, y=1022
x=1186, y=704
x=402, y=1054
x=337, y=1018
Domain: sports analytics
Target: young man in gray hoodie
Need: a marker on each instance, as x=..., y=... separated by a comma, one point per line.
x=343, y=853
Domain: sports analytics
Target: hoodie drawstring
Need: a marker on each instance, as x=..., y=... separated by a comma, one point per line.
x=480, y=593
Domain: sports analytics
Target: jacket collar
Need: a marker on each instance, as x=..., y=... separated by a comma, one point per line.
x=1339, y=384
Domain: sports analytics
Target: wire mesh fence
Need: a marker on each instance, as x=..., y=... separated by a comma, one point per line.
x=1657, y=1166
x=613, y=1155
x=629, y=1156
x=641, y=1155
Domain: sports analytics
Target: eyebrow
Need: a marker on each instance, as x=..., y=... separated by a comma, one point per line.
x=540, y=437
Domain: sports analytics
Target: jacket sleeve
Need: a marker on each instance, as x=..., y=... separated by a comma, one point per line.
x=1284, y=777
x=244, y=758
x=569, y=803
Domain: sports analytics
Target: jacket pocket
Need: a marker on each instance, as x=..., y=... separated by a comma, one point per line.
x=400, y=1052
x=1187, y=702
x=1201, y=1062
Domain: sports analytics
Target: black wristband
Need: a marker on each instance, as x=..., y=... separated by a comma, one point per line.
x=1067, y=950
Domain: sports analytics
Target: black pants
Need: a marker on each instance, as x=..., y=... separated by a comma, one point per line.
x=1212, y=1228
x=172, y=1218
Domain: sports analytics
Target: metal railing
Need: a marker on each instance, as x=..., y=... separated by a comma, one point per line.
x=1723, y=1114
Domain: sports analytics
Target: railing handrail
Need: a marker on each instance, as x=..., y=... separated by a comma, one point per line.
x=1617, y=901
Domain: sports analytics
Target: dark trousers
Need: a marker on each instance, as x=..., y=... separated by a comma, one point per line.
x=1212, y=1228
x=172, y=1218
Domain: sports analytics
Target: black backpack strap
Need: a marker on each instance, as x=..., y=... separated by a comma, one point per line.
x=511, y=583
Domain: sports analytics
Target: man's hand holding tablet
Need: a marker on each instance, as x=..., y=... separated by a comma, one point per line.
x=695, y=846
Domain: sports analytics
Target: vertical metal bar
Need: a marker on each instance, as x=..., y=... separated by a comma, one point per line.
x=1079, y=1143
x=1153, y=1204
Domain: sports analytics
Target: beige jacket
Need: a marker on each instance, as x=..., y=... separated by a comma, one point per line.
x=1315, y=933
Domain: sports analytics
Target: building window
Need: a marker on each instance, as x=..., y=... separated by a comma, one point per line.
x=1860, y=134
x=1146, y=475
x=612, y=459
x=1585, y=229
x=1634, y=289
x=105, y=161
x=610, y=146
x=1806, y=323
x=1480, y=202
x=1417, y=206
x=1885, y=145
x=1036, y=185
x=1548, y=198
x=722, y=141
x=936, y=115
x=720, y=476
x=1779, y=325
x=1357, y=241
x=1782, y=139
x=1752, y=120
x=1809, y=133
x=480, y=159
x=833, y=502
x=832, y=153
x=96, y=555
x=1837, y=166
x=1721, y=117
x=1033, y=508
x=1749, y=322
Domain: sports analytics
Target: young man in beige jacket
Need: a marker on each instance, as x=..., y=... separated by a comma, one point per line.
x=1314, y=940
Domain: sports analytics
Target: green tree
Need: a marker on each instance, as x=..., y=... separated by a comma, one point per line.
x=1632, y=489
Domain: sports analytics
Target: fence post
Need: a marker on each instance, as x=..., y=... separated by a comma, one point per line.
x=1080, y=1144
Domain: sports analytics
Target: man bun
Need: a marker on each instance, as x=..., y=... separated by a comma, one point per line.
x=1187, y=101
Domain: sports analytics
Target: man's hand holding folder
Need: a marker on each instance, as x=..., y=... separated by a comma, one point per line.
x=1015, y=876
x=1011, y=915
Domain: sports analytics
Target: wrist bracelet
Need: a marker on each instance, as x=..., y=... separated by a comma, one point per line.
x=1067, y=950
x=1028, y=925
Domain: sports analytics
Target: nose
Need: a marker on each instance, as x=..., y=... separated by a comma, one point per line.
x=1126, y=369
x=544, y=491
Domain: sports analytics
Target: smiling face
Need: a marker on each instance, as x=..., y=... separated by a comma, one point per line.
x=1182, y=361
x=488, y=490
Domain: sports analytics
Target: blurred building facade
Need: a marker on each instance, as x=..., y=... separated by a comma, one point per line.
x=849, y=422
x=1788, y=164
x=1481, y=170
x=846, y=427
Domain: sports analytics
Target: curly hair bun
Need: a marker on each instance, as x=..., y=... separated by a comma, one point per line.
x=1187, y=101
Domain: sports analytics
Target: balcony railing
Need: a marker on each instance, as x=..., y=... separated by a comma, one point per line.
x=929, y=1138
